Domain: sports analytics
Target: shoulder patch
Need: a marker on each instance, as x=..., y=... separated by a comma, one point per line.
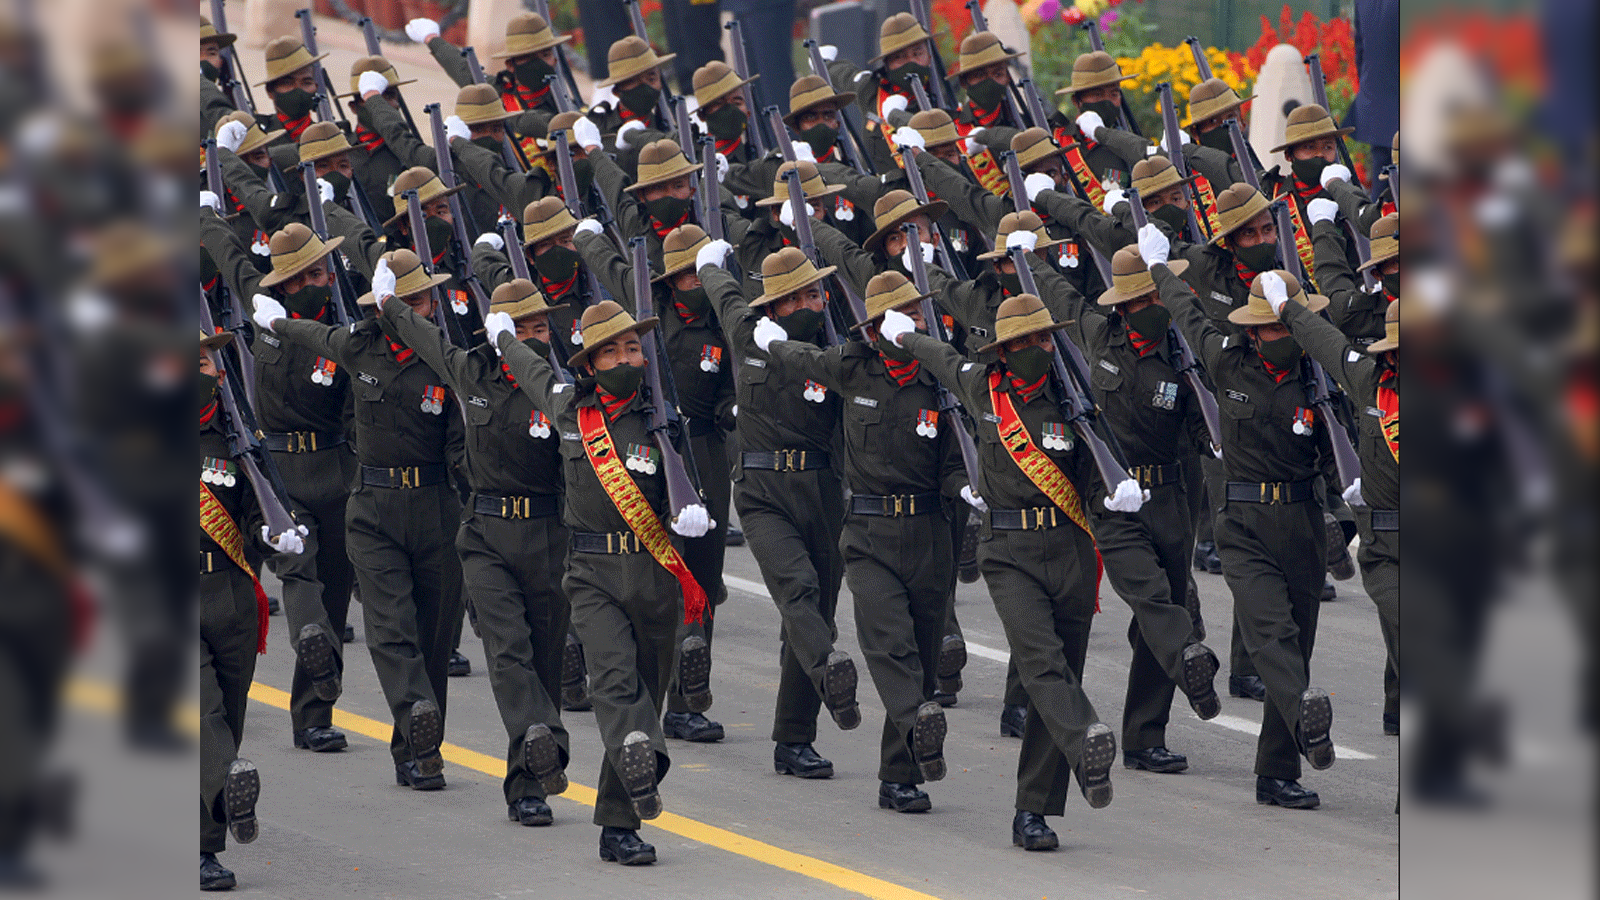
x=1353, y=356
x=868, y=402
x=1225, y=340
x=968, y=367
x=563, y=386
x=1238, y=397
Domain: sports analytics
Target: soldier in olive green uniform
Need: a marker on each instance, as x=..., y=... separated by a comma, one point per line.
x=1352, y=308
x=530, y=55
x=773, y=229
x=393, y=146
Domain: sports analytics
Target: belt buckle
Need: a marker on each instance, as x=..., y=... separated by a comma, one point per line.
x=297, y=442
x=405, y=477
x=899, y=505
x=505, y=512
x=523, y=507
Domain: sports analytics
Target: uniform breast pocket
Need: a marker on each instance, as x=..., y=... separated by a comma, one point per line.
x=1235, y=408
x=371, y=411
x=1105, y=379
x=862, y=424
x=478, y=419
x=753, y=371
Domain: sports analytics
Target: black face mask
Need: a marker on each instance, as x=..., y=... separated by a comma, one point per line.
x=1110, y=113
x=1150, y=322
x=1011, y=283
x=1391, y=284
x=309, y=300
x=1029, y=363
x=295, y=103
x=537, y=346
x=558, y=264
x=621, y=381
x=821, y=137
x=727, y=122
x=908, y=71
x=669, y=211
x=1258, y=258
x=439, y=234
x=531, y=72
x=802, y=324
x=583, y=174
x=341, y=184
x=1175, y=217
x=695, y=301
x=488, y=142
x=986, y=94
x=1281, y=353
x=1309, y=171
x=639, y=99
x=209, y=72
x=205, y=390
x=894, y=352
x=1218, y=139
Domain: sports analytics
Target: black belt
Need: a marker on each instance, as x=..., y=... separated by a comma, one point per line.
x=701, y=427
x=301, y=441
x=614, y=542
x=1269, y=491
x=1386, y=520
x=403, y=476
x=894, y=505
x=785, y=460
x=537, y=506
x=1038, y=518
x=1155, y=476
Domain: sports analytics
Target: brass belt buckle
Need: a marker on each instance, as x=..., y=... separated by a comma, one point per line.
x=523, y=507
x=405, y=477
x=899, y=505
x=505, y=512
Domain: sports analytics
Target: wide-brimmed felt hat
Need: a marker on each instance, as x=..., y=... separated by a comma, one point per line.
x=893, y=209
x=1027, y=220
x=1391, y=330
x=213, y=341
x=715, y=80
x=1259, y=312
x=1018, y=317
x=479, y=104
x=629, y=57
x=1212, y=98
x=209, y=32
x=1307, y=123
x=1385, y=235
x=811, y=91
x=519, y=299
x=661, y=161
x=427, y=185
x=785, y=272
x=528, y=32
x=127, y=250
x=812, y=186
x=1236, y=206
x=1094, y=69
x=294, y=248
x=1155, y=173
x=410, y=278
x=1131, y=278
x=544, y=218
x=321, y=140
x=373, y=64
x=285, y=56
x=886, y=291
x=680, y=248
x=1033, y=145
x=935, y=126
x=898, y=32
x=254, y=137
x=562, y=121
x=603, y=323
x=980, y=50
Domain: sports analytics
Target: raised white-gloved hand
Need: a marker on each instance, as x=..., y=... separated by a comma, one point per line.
x=371, y=83
x=896, y=325
x=1113, y=197
x=1352, y=494
x=1022, y=238
x=382, y=282
x=893, y=103
x=492, y=239
x=803, y=151
x=972, y=144
x=1321, y=210
x=586, y=134
x=89, y=312
x=267, y=311
x=422, y=30
x=325, y=190
x=828, y=52
x=906, y=136
x=786, y=213
x=712, y=254
x=1090, y=122
x=1036, y=184
x=1127, y=498
x=1183, y=138
x=693, y=521
x=587, y=225
x=1495, y=210
x=973, y=500
x=1335, y=172
x=454, y=128
x=1153, y=245
x=231, y=135
x=1276, y=292
x=1433, y=287
x=291, y=541
x=768, y=331
x=207, y=198
x=627, y=129
x=496, y=324
x=722, y=167
x=907, y=260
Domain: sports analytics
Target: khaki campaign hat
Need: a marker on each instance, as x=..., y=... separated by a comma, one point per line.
x=1307, y=123
x=285, y=56
x=679, y=249
x=886, y=291
x=1027, y=220
x=812, y=187
x=661, y=161
x=373, y=64
x=629, y=57
x=894, y=209
x=519, y=299
x=936, y=127
x=1385, y=237
x=528, y=32
x=1033, y=145
x=785, y=272
x=715, y=80
x=1235, y=206
x=125, y=251
x=209, y=32
x=410, y=278
x=1212, y=98
x=559, y=122
x=603, y=323
x=427, y=185
x=321, y=140
x=1019, y=317
x=1259, y=312
x=254, y=137
x=213, y=341
x=980, y=50
x=1391, y=330
x=1131, y=278
x=898, y=32
x=1092, y=70
x=810, y=92
x=479, y=104
x=1155, y=173
x=545, y=217
x=294, y=248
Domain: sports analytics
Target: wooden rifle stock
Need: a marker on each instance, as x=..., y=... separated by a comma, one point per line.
x=741, y=66
x=682, y=484
x=325, y=90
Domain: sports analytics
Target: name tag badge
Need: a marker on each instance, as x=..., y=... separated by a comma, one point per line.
x=1109, y=366
x=270, y=340
x=1237, y=397
x=433, y=399
x=479, y=402
x=815, y=392
x=991, y=418
x=1221, y=298
x=369, y=379
x=757, y=363
x=868, y=402
x=1374, y=411
x=571, y=436
x=928, y=423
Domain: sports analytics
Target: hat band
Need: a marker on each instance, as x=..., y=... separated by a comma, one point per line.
x=1158, y=182
x=299, y=59
x=1009, y=328
x=474, y=112
x=300, y=256
x=335, y=144
x=517, y=44
x=986, y=57
x=606, y=330
x=724, y=85
x=1309, y=130
x=1135, y=285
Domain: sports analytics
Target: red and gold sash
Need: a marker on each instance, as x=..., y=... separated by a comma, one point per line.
x=1302, y=237
x=1389, y=419
x=22, y=524
x=224, y=532
x=1087, y=178
x=1208, y=200
x=989, y=173
x=635, y=509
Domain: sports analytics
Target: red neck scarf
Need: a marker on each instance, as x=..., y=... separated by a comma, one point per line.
x=1277, y=374
x=1246, y=275
x=554, y=289
x=1141, y=343
x=1306, y=192
x=663, y=230
x=402, y=353
x=901, y=373
x=1028, y=391
x=369, y=140
x=294, y=126
x=611, y=404
x=208, y=413
x=684, y=313
x=526, y=97
x=316, y=318
x=984, y=119
x=728, y=148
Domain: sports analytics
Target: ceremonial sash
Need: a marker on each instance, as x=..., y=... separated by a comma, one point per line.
x=1302, y=237
x=22, y=524
x=1087, y=178
x=513, y=101
x=1389, y=419
x=887, y=129
x=989, y=173
x=224, y=532
x=635, y=509
x=1208, y=200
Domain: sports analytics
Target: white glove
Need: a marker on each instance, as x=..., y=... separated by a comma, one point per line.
x=712, y=254
x=1335, y=172
x=893, y=103
x=1127, y=498
x=786, y=214
x=1183, y=138
x=906, y=136
x=231, y=135
x=1432, y=287
x=973, y=500
x=1090, y=122
x=971, y=143
x=372, y=83
x=492, y=239
x=90, y=312
x=207, y=198
x=1113, y=197
x=267, y=311
x=907, y=260
x=693, y=521
x=1352, y=494
x=382, y=282
x=1276, y=292
x=828, y=52
x=768, y=331
x=291, y=541
x=803, y=151
x=1321, y=210
x=1495, y=210
x=896, y=325
x=1024, y=239
x=1036, y=184
x=454, y=128
x=622, y=134
x=496, y=324
x=1153, y=245
x=585, y=134
x=325, y=190
x=588, y=226
x=722, y=167
x=422, y=30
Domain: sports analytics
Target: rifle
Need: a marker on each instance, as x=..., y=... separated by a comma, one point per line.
x=236, y=85
x=683, y=488
x=741, y=66
x=458, y=210
x=664, y=95
x=1319, y=92
x=343, y=291
x=1129, y=123
x=850, y=135
x=419, y=238
x=1169, y=124
x=510, y=144
x=369, y=31
x=519, y=269
x=808, y=246
x=952, y=263
x=947, y=401
x=710, y=212
x=942, y=91
x=542, y=7
x=1019, y=200
x=1186, y=364
x=681, y=124
x=1242, y=150
x=569, y=193
x=235, y=313
x=780, y=132
x=325, y=89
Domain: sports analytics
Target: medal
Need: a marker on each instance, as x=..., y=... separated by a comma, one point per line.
x=577, y=335
x=1053, y=436
x=710, y=358
x=816, y=393
x=1166, y=395
x=1305, y=421
x=259, y=245
x=1068, y=254
x=322, y=372
x=538, y=425
x=458, y=302
x=843, y=210
x=928, y=423
x=433, y=399
x=642, y=459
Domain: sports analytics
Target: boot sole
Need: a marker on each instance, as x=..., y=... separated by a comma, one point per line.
x=425, y=734
x=333, y=746
x=541, y=755
x=1041, y=842
x=239, y=794
x=1316, y=719
x=786, y=769
x=1099, y=751
x=1341, y=566
x=636, y=766
x=638, y=859
x=574, y=678
x=1200, y=667
x=317, y=658
x=839, y=690
x=952, y=659
x=1129, y=762
x=927, y=740
x=1191, y=602
x=694, y=673
x=537, y=821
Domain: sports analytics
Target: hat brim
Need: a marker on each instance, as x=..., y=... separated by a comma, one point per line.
x=1053, y=326
x=779, y=200
x=543, y=310
x=1220, y=235
x=501, y=116
x=765, y=299
x=1383, y=345
x=934, y=210
x=842, y=98
x=434, y=281
x=1112, y=297
x=216, y=340
x=690, y=169
x=507, y=54
x=581, y=357
x=391, y=84
x=223, y=38
x=1337, y=132
x=448, y=192
x=956, y=71
x=661, y=62
x=1220, y=112
x=1001, y=252
x=314, y=59
x=326, y=154
x=1244, y=316
x=1073, y=89
x=872, y=319
x=685, y=266
x=1378, y=260
x=888, y=53
x=268, y=139
x=276, y=277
